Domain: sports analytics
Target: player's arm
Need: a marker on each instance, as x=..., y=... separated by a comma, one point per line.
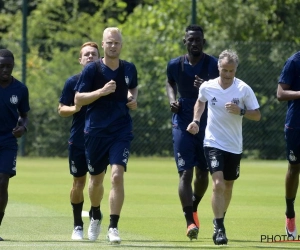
x=253, y=115
x=132, y=98
x=66, y=111
x=86, y=98
x=285, y=94
x=171, y=89
x=193, y=127
x=21, y=127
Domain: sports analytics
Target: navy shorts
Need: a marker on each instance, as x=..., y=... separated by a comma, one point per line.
x=77, y=161
x=220, y=160
x=102, y=151
x=292, y=139
x=188, y=150
x=8, y=160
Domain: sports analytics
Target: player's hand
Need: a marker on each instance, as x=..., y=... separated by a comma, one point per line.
x=108, y=88
x=232, y=108
x=174, y=107
x=19, y=131
x=198, y=81
x=193, y=128
x=131, y=104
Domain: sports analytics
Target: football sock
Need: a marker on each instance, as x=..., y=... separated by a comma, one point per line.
x=290, y=212
x=77, y=209
x=1, y=217
x=96, y=214
x=196, y=201
x=114, y=219
x=220, y=222
x=188, y=214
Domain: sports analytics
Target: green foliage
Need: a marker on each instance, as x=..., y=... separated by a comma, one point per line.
x=262, y=32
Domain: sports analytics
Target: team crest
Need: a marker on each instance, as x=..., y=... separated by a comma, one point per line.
x=14, y=99
x=73, y=167
x=90, y=167
x=235, y=101
x=180, y=161
x=127, y=80
x=292, y=157
x=214, y=162
x=125, y=155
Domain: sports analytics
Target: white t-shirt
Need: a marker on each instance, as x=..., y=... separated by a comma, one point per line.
x=224, y=130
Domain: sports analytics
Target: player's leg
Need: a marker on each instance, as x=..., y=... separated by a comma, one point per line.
x=201, y=176
x=97, y=161
x=184, y=153
x=215, y=161
x=231, y=173
x=291, y=180
x=118, y=158
x=7, y=170
x=78, y=168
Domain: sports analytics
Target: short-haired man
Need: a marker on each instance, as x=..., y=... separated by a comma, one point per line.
x=14, y=105
x=184, y=75
x=77, y=161
x=229, y=99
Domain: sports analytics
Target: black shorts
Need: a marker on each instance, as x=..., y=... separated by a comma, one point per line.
x=77, y=161
x=220, y=160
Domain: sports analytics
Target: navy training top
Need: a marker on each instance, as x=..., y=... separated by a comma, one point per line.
x=179, y=71
x=14, y=99
x=109, y=114
x=290, y=75
x=67, y=98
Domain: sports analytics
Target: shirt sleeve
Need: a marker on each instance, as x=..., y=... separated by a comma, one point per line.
x=133, y=73
x=201, y=95
x=85, y=82
x=24, y=103
x=250, y=101
x=170, y=75
x=287, y=73
x=68, y=93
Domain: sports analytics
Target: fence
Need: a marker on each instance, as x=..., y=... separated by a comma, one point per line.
x=260, y=67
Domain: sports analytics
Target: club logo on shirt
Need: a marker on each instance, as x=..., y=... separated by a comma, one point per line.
x=213, y=101
x=14, y=99
x=235, y=101
x=127, y=80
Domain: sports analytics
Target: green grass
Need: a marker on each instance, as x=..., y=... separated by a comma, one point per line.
x=39, y=216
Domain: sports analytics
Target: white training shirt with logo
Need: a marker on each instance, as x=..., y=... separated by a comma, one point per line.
x=224, y=130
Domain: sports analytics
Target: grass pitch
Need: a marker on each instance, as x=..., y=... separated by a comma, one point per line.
x=39, y=216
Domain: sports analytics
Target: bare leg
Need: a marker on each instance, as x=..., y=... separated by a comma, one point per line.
x=96, y=189
x=76, y=194
x=117, y=194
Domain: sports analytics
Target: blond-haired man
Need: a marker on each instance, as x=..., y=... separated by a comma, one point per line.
x=110, y=91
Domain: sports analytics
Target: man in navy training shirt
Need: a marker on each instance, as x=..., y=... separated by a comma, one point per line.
x=289, y=90
x=184, y=75
x=14, y=105
x=77, y=161
x=110, y=91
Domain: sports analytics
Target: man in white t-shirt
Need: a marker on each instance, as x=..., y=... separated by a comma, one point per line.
x=229, y=100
